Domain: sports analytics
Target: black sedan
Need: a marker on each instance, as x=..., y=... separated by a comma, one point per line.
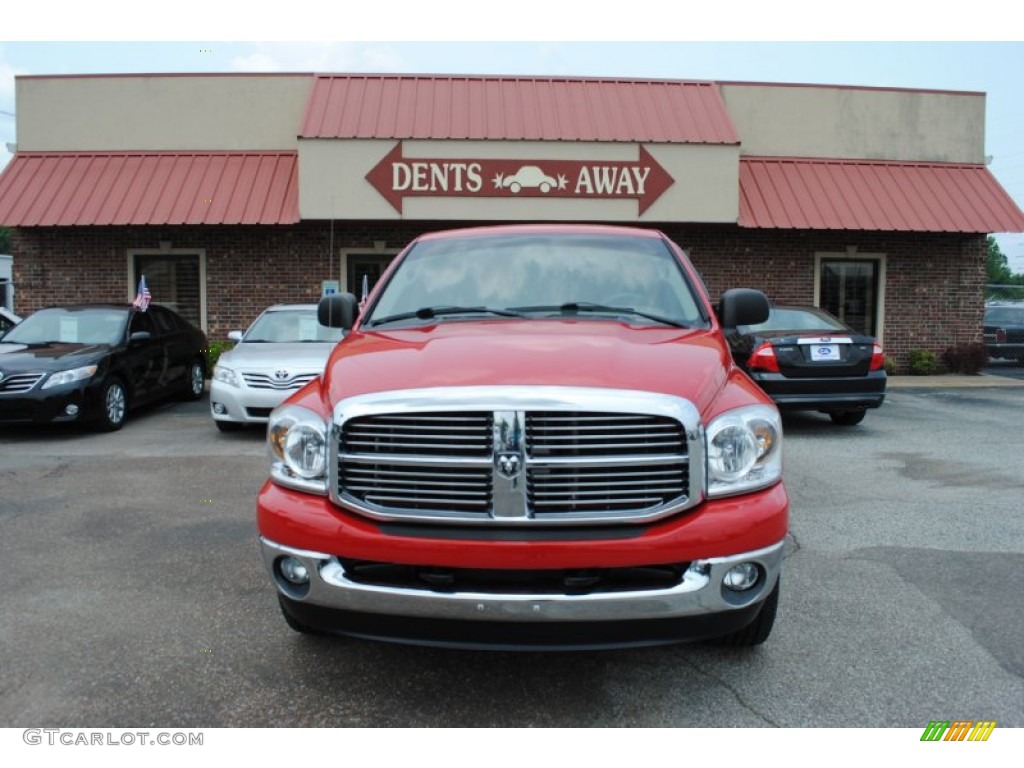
x=1004, y=331
x=806, y=359
x=91, y=363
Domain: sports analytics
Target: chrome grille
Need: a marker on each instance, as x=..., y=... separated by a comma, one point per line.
x=266, y=381
x=602, y=434
x=517, y=455
x=459, y=489
x=428, y=434
x=604, y=489
x=20, y=382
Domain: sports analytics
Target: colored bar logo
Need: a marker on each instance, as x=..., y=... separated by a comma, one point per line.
x=958, y=730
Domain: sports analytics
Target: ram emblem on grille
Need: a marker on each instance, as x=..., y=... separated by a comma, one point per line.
x=509, y=464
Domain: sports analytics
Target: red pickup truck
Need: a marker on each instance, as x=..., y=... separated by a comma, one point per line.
x=531, y=437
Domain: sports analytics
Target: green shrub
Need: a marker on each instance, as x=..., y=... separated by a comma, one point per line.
x=214, y=352
x=922, y=362
x=966, y=358
x=890, y=367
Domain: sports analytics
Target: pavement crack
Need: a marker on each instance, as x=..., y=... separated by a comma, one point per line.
x=727, y=686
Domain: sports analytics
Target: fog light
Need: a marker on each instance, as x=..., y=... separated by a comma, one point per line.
x=741, y=577
x=294, y=571
x=71, y=410
x=219, y=408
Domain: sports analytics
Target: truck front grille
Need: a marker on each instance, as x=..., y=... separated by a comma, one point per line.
x=509, y=462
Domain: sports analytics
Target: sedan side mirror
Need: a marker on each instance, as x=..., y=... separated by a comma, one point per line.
x=235, y=336
x=140, y=336
x=742, y=306
x=338, y=310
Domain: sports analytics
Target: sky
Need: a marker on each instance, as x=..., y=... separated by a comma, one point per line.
x=454, y=37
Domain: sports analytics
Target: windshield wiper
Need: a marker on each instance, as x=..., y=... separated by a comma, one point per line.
x=575, y=307
x=428, y=313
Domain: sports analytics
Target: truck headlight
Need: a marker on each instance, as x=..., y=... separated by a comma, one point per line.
x=225, y=375
x=744, y=450
x=297, y=445
x=69, y=377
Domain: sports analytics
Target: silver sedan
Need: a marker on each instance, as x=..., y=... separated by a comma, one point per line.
x=284, y=349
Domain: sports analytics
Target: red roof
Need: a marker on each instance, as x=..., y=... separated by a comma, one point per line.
x=518, y=108
x=42, y=189
x=794, y=193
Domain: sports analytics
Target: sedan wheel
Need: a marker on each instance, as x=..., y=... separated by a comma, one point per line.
x=196, y=381
x=847, y=418
x=114, y=406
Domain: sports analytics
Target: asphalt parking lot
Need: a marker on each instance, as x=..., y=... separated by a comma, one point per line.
x=134, y=594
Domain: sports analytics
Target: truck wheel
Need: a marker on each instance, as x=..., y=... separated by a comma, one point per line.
x=758, y=630
x=294, y=623
x=847, y=418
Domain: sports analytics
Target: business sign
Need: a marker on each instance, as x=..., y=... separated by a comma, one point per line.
x=397, y=177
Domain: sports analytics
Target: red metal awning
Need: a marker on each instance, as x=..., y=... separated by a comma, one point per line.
x=796, y=193
x=516, y=108
x=47, y=189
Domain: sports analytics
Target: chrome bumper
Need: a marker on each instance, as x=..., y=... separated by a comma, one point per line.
x=700, y=593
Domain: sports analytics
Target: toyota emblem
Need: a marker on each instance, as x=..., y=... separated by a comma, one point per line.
x=280, y=375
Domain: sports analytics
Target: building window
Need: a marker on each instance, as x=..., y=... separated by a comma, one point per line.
x=850, y=286
x=176, y=279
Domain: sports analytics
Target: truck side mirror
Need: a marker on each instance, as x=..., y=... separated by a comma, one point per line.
x=338, y=310
x=742, y=306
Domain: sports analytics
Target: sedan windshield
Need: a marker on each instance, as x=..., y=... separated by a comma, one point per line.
x=539, y=275
x=90, y=325
x=290, y=326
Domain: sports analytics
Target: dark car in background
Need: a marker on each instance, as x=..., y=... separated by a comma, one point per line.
x=1004, y=331
x=92, y=363
x=806, y=359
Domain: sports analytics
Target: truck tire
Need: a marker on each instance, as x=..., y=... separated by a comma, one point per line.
x=758, y=630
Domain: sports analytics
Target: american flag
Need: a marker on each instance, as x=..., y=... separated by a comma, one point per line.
x=143, y=296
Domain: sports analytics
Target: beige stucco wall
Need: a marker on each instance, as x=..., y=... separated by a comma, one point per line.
x=154, y=112
x=332, y=182
x=815, y=121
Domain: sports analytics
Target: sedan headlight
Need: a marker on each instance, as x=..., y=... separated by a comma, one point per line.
x=744, y=450
x=69, y=377
x=297, y=445
x=225, y=375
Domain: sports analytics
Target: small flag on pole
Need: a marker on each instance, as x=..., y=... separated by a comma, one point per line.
x=142, y=298
x=366, y=293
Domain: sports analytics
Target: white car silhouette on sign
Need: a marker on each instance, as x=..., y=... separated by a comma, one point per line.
x=530, y=176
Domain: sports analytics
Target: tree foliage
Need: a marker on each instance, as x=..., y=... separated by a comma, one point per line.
x=5, y=240
x=999, y=268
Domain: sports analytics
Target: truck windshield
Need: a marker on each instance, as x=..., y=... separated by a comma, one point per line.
x=540, y=275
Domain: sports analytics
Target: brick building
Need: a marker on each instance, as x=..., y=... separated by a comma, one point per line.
x=232, y=192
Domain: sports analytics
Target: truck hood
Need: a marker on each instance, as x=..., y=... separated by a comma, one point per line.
x=689, y=363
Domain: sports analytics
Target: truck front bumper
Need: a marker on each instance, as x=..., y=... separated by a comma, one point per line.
x=699, y=606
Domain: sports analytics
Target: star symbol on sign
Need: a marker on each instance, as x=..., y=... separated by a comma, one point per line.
x=562, y=181
x=499, y=180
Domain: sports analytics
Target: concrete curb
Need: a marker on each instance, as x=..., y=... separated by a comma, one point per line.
x=951, y=381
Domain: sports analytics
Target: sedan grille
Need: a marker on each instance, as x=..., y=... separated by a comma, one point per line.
x=517, y=466
x=19, y=382
x=267, y=381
